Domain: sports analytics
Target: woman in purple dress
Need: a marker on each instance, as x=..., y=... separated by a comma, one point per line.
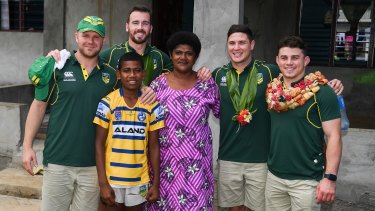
x=186, y=177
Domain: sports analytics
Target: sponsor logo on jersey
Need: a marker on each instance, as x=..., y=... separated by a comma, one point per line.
x=159, y=113
x=68, y=76
x=128, y=130
x=142, y=190
x=141, y=116
x=155, y=64
x=102, y=110
x=117, y=115
x=223, y=81
x=107, y=98
x=260, y=78
x=106, y=77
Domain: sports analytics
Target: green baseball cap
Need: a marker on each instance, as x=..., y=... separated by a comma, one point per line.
x=40, y=74
x=92, y=23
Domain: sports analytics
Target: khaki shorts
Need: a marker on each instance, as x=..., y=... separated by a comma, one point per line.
x=130, y=195
x=282, y=194
x=67, y=185
x=242, y=184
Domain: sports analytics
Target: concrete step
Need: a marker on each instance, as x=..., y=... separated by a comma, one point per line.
x=19, y=204
x=19, y=183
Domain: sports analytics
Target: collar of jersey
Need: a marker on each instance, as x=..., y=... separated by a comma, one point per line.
x=129, y=48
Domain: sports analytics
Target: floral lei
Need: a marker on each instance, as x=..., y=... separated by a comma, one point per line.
x=280, y=99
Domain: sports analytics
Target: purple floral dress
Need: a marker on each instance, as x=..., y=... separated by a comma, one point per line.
x=186, y=177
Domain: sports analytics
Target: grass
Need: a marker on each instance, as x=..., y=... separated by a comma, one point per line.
x=366, y=78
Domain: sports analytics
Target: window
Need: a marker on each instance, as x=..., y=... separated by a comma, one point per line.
x=339, y=32
x=22, y=15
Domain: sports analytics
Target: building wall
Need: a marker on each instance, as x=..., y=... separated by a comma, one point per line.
x=113, y=12
x=269, y=26
x=212, y=20
x=18, y=51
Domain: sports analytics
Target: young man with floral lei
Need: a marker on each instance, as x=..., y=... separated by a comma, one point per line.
x=244, y=123
x=303, y=109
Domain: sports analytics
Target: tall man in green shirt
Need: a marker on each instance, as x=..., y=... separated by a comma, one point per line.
x=243, y=149
x=297, y=159
x=70, y=177
x=139, y=28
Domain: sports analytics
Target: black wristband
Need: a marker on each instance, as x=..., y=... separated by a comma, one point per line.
x=331, y=177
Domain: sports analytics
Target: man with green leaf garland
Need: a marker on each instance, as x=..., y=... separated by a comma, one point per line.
x=244, y=140
x=244, y=146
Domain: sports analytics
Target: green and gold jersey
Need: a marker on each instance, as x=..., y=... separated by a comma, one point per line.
x=73, y=97
x=155, y=61
x=249, y=143
x=297, y=137
x=126, y=160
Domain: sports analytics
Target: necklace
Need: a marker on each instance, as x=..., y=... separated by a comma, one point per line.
x=280, y=98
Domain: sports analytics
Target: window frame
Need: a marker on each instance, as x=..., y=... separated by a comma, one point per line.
x=335, y=13
x=21, y=21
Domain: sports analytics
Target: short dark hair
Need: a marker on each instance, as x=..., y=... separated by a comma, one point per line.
x=240, y=28
x=184, y=38
x=130, y=56
x=139, y=8
x=292, y=41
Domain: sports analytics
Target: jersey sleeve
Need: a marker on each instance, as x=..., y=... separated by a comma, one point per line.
x=215, y=94
x=275, y=70
x=105, y=54
x=157, y=117
x=214, y=75
x=103, y=113
x=167, y=64
x=51, y=96
x=328, y=103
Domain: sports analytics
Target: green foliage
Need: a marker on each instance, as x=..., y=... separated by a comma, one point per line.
x=366, y=78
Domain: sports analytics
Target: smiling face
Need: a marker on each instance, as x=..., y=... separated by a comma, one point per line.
x=89, y=43
x=239, y=49
x=292, y=63
x=131, y=75
x=139, y=27
x=183, y=58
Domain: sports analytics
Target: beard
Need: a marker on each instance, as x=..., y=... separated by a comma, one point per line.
x=88, y=54
x=132, y=37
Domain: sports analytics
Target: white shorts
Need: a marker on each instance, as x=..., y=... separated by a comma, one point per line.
x=130, y=195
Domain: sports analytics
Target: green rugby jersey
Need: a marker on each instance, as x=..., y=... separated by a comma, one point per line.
x=73, y=102
x=297, y=137
x=250, y=144
x=161, y=61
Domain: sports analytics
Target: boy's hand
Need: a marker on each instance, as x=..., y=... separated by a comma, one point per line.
x=204, y=74
x=153, y=194
x=148, y=95
x=107, y=195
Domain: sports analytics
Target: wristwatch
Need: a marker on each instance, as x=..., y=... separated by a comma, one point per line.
x=331, y=177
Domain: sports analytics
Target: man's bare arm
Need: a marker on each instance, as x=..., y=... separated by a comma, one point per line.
x=326, y=189
x=33, y=121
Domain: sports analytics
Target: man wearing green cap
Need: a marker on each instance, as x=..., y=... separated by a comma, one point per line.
x=70, y=176
x=139, y=28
